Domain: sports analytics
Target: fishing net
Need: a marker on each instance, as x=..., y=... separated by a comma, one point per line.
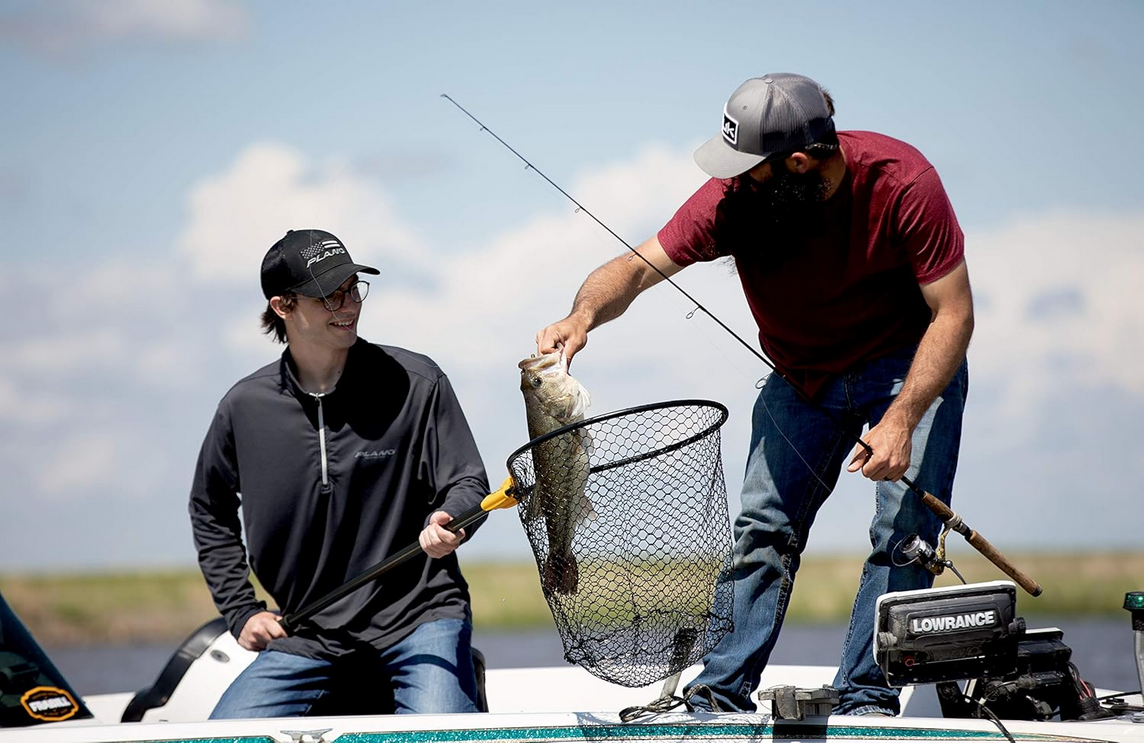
x=627, y=517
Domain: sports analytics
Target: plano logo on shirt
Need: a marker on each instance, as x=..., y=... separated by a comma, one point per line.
x=730, y=129
x=375, y=454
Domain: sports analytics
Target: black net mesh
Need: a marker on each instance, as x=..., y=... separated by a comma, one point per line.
x=627, y=516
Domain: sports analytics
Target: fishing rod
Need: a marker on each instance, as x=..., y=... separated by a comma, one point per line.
x=951, y=519
x=504, y=497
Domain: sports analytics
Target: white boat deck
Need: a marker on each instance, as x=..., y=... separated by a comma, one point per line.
x=548, y=704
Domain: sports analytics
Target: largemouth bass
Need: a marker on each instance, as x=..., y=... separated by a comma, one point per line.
x=552, y=398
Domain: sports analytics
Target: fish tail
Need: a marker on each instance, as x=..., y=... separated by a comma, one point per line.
x=561, y=573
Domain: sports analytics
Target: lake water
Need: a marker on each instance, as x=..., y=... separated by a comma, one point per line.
x=1102, y=650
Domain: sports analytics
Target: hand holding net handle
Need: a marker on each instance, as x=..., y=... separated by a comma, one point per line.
x=980, y=543
x=502, y=498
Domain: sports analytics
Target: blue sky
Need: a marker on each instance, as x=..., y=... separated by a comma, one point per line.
x=152, y=151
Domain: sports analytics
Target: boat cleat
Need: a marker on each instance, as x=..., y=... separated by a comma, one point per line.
x=307, y=736
x=792, y=703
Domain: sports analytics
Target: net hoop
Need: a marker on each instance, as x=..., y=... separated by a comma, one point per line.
x=626, y=513
x=715, y=426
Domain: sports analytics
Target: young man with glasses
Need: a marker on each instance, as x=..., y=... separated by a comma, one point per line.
x=339, y=454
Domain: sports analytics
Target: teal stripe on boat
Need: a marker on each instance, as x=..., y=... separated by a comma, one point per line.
x=714, y=731
x=689, y=732
x=226, y=739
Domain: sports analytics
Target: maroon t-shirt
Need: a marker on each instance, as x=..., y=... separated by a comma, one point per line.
x=846, y=287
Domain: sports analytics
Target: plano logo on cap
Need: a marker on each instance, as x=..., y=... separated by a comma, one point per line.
x=730, y=129
x=321, y=251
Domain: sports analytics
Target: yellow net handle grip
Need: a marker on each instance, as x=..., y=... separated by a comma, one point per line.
x=501, y=498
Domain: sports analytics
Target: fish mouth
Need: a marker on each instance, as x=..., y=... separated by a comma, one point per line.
x=543, y=363
x=546, y=377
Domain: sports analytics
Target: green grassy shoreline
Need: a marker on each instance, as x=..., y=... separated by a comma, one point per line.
x=164, y=606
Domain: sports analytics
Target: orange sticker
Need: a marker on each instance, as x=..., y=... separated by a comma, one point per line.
x=49, y=703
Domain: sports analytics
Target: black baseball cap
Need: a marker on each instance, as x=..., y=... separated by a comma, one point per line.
x=779, y=112
x=312, y=263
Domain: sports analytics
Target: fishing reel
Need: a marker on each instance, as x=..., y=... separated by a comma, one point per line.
x=916, y=549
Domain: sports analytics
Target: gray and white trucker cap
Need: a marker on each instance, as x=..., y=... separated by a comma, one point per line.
x=779, y=112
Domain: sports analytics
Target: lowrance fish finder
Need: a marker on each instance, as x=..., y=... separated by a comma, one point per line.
x=942, y=634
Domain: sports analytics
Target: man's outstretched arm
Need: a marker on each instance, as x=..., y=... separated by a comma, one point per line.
x=605, y=295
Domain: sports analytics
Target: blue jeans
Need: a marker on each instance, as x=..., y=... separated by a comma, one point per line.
x=429, y=671
x=781, y=496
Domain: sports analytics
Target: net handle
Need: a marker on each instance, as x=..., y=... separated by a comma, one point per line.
x=504, y=497
x=720, y=407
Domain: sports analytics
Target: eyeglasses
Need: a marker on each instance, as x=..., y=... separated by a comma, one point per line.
x=357, y=291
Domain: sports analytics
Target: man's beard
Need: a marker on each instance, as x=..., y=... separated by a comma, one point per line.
x=788, y=198
x=768, y=220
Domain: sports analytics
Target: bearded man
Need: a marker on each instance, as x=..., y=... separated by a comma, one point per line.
x=852, y=263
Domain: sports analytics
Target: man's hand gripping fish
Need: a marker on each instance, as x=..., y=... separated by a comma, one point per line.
x=553, y=399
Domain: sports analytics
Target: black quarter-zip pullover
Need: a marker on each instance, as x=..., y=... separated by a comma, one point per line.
x=330, y=485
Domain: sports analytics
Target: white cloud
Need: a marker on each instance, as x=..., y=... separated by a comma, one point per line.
x=167, y=360
x=180, y=19
x=499, y=294
x=238, y=214
x=21, y=408
x=55, y=355
x=640, y=194
x=125, y=284
x=241, y=333
x=1059, y=306
x=69, y=25
x=113, y=321
x=79, y=464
